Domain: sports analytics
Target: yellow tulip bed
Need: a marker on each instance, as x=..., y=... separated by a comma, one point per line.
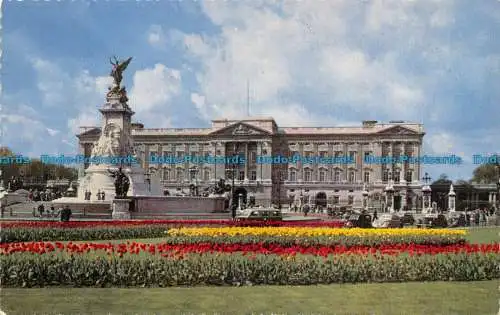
x=308, y=232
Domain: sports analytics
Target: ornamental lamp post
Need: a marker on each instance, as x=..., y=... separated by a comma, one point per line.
x=365, y=198
x=389, y=190
x=498, y=184
x=427, y=193
x=230, y=173
x=193, y=171
x=148, y=180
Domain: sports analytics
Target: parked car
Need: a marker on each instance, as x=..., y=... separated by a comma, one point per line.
x=407, y=220
x=362, y=220
x=434, y=221
x=388, y=220
x=260, y=214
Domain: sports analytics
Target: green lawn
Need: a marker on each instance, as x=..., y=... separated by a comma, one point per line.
x=484, y=235
x=390, y=298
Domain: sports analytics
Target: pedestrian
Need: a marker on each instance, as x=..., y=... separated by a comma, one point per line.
x=98, y=194
x=477, y=217
x=103, y=195
x=66, y=214
x=375, y=216
x=52, y=210
x=483, y=217
x=41, y=209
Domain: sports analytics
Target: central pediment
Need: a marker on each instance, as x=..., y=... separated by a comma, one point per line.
x=240, y=129
x=398, y=130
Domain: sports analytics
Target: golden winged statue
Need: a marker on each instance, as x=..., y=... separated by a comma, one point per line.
x=118, y=68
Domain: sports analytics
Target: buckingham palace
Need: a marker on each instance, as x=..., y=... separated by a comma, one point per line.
x=323, y=183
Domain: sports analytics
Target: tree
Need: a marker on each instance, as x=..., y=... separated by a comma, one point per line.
x=442, y=181
x=8, y=168
x=485, y=174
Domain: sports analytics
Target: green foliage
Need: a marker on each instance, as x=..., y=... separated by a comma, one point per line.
x=485, y=173
x=23, y=234
x=25, y=270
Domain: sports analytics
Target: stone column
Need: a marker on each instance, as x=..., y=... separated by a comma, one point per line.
x=247, y=157
x=451, y=199
x=267, y=168
x=403, y=198
x=300, y=171
x=315, y=175
x=418, y=169
x=378, y=170
x=345, y=166
x=259, y=165
x=221, y=167
x=213, y=166
x=359, y=162
x=404, y=168
x=330, y=174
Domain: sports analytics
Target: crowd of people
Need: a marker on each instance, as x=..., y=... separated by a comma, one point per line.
x=43, y=195
x=63, y=213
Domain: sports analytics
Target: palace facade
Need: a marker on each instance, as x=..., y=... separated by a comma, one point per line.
x=323, y=184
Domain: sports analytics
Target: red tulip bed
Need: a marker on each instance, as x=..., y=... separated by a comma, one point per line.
x=300, y=255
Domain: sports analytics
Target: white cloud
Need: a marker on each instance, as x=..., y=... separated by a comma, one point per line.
x=52, y=132
x=154, y=87
x=155, y=36
x=51, y=82
x=318, y=48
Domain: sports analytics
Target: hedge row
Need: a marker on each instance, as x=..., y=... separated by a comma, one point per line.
x=10, y=235
x=233, y=269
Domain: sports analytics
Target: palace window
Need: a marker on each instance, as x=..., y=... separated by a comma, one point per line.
x=367, y=154
x=307, y=175
x=322, y=176
x=292, y=175
x=165, y=154
x=336, y=200
x=336, y=177
x=409, y=176
x=152, y=154
x=366, y=177
x=253, y=157
x=180, y=174
x=179, y=154
x=218, y=153
x=338, y=154
x=385, y=176
x=166, y=174
x=350, y=200
x=194, y=154
x=352, y=177
x=241, y=175
x=206, y=175
x=397, y=177
x=253, y=175
x=323, y=154
x=352, y=155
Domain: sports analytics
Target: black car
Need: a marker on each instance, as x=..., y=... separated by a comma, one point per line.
x=360, y=221
x=407, y=220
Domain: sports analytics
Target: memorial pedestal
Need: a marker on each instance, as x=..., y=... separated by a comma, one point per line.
x=121, y=209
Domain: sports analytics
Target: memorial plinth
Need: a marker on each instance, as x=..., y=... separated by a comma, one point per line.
x=121, y=209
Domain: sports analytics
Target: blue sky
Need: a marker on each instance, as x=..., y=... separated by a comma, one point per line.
x=308, y=63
